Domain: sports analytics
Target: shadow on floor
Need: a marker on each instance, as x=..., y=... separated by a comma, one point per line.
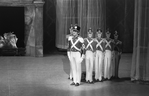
x=121, y=79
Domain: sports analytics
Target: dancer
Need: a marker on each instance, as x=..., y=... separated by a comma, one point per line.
x=76, y=47
x=108, y=56
x=99, y=56
x=116, y=56
x=89, y=43
x=69, y=36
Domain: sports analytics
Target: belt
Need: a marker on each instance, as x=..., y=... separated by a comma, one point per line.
x=74, y=50
x=107, y=50
x=99, y=50
x=89, y=50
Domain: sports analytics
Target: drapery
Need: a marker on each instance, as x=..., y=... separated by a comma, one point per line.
x=86, y=13
x=140, y=60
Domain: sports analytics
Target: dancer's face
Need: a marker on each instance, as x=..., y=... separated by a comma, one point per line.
x=99, y=35
x=108, y=36
x=90, y=35
x=75, y=33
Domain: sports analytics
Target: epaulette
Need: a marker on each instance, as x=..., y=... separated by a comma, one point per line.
x=85, y=38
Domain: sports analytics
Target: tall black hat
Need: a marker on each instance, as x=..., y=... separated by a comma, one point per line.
x=76, y=28
x=115, y=34
x=99, y=31
x=90, y=31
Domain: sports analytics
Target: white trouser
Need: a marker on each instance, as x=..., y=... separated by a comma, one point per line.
x=89, y=60
x=76, y=66
x=98, y=65
x=107, y=64
x=69, y=54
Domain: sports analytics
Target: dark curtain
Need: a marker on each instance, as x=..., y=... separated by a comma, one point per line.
x=140, y=60
x=85, y=13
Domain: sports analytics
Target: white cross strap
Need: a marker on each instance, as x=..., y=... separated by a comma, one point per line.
x=99, y=44
x=74, y=45
x=119, y=42
x=89, y=44
x=108, y=44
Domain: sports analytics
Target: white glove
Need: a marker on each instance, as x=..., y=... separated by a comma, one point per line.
x=95, y=54
x=82, y=57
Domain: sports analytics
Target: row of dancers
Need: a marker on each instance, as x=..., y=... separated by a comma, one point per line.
x=101, y=53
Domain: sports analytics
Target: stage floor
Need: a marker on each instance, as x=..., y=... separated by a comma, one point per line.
x=47, y=76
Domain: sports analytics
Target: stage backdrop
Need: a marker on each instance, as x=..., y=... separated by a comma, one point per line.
x=120, y=18
x=85, y=13
x=33, y=19
x=140, y=60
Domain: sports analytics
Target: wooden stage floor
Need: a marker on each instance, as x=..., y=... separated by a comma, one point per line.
x=47, y=76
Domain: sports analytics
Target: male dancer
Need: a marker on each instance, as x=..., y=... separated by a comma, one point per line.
x=99, y=56
x=116, y=56
x=89, y=43
x=77, y=43
x=69, y=36
x=108, y=56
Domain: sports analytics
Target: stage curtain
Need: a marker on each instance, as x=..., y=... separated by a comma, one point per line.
x=140, y=60
x=85, y=13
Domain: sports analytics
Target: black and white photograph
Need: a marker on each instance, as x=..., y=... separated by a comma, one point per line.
x=74, y=47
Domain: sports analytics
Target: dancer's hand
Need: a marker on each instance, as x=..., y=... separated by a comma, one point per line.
x=83, y=56
x=94, y=54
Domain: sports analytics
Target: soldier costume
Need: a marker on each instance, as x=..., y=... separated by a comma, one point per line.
x=99, y=56
x=69, y=36
x=108, y=56
x=116, y=56
x=76, y=57
x=89, y=43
